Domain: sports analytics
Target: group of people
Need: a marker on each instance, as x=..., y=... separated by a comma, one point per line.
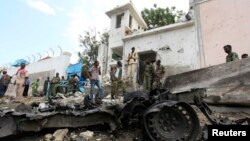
x=59, y=84
x=232, y=56
x=154, y=72
x=21, y=83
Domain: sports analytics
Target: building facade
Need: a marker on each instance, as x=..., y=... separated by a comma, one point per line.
x=176, y=45
x=221, y=22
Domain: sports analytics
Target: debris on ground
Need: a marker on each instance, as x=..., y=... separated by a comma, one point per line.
x=60, y=134
x=48, y=137
x=87, y=135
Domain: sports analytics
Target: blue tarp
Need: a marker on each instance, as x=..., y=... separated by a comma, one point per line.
x=19, y=62
x=74, y=69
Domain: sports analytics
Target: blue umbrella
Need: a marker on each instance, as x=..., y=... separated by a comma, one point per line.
x=18, y=62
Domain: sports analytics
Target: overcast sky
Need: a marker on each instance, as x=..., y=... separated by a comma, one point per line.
x=29, y=27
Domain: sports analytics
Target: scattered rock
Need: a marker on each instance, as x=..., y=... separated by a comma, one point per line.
x=73, y=137
x=88, y=135
x=98, y=139
x=61, y=95
x=60, y=134
x=48, y=137
x=23, y=108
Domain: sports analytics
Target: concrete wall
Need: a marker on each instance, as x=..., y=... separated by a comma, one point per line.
x=226, y=83
x=135, y=24
x=181, y=39
x=45, y=68
x=224, y=22
x=116, y=34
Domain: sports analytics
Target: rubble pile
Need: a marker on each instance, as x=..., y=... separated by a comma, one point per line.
x=121, y=116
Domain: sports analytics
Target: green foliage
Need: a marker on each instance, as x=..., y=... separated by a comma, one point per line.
x=116, y=56
x=91, y=42
x=156, y=17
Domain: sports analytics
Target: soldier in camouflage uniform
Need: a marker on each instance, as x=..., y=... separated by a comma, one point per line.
x=148, y=75
x=159, y=74
x=113, y=81
x=35, y=86
x=232, y=56
x=116, y=80
x=54, y=84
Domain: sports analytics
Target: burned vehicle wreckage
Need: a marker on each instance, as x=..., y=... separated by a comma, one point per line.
x=161, y=114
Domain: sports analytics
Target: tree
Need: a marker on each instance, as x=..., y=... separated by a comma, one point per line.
x=91, y=42
x=157, y=17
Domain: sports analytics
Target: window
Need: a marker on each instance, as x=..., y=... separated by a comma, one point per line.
x=119, y=20
x=130, y=21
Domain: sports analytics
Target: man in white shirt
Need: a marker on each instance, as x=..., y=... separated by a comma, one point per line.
x=94, y=73
x=132, y=59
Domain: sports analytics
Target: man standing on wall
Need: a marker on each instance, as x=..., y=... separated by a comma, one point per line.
x=132, y=56
x=232, y=56
x=94, y=73
x=21, y=77
x=244, y=56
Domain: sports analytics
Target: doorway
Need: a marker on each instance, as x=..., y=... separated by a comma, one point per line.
x=142, y=57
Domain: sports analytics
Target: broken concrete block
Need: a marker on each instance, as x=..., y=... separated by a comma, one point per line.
x=48, y=137
x=73, y=137
x=60, y=134
x=88, y=135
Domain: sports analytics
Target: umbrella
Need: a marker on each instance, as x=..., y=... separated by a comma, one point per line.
x=18, y=62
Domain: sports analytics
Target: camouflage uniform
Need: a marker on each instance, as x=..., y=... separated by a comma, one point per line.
x=148, y=77
x=232, y=57
x=159, y=74
x=34, y=87
x=54, y=85
x=116, y=82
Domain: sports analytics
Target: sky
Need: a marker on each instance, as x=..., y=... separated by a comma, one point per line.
x=36, y=27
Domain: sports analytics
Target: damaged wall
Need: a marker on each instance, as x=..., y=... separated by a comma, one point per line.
x=224, y=22
x=228, y=83
x=176, y=45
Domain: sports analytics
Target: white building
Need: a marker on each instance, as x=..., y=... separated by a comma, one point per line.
x=176, y=44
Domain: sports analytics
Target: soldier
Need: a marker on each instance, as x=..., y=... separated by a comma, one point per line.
x=159, y=74
x=232, y=56
x=116, y=80
x=244, y=56
x=54, y=84
x=113, y=81
x=148, y=75
x=34, y=87
x=73, y=83
x=46, y=86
